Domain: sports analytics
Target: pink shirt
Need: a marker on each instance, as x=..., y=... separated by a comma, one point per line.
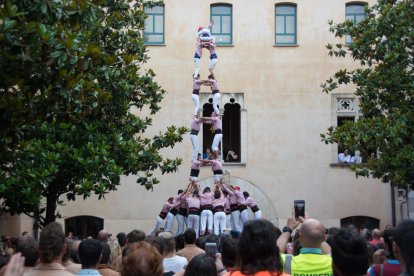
x=177, y=199
x=232, y=195
x=196, y=165
x=195, y=124
x=240, y=197
x=226, y=203
x=197, y=84
x=193, y=202
x=214, y=85
x=250, y=202
x=205, y=199
x=216, y=122
x=166, y=207
x=216, y=165
x=184, y=203
x=218, y=202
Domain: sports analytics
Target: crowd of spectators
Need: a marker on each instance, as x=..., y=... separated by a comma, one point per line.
x=303, y=247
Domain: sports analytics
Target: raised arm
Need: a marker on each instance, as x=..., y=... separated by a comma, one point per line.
x=228, y=189
x=206, y=82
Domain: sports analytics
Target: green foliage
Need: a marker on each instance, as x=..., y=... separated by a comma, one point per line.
x=70, y=77
x=383, y=45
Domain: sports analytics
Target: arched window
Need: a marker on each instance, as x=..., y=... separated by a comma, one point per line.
x=84, y=226
x=234, y=126
x=285, y=24
x=208, y=133
x=231, y=132
x=222, y=28
x=361, y=222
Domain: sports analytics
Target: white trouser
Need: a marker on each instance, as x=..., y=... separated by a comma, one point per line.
x=244, y=216
x=216, y=98
x=169, y=221
x=197, y=67
x=193, y=222
x=217, y=177
x=219, y=222
x=196, y=101
x=181, y=222
x=158, y=224
x=206, y=219
x=258, y=214
x=235, y=220
x=216, y=142
x=212, y=64
x=194, y=144
x=228, y=222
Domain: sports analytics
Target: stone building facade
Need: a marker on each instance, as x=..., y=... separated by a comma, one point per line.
x=272, y=60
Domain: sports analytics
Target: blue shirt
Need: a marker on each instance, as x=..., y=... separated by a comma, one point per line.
x=89, y=272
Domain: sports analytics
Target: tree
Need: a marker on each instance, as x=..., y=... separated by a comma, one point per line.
x=71, y=80
x=383, y=45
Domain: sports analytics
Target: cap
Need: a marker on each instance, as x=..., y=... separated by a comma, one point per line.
x=200, y=27
x=237, y=188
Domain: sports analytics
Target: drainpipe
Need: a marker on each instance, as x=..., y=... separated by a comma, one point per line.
x=394, y=219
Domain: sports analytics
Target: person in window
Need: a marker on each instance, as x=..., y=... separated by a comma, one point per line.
x=207, y=155
x=345, y=157
x=231, y=156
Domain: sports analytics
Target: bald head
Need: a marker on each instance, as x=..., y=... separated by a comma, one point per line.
x=103, y=235
x=312, y=233
x=376, y=233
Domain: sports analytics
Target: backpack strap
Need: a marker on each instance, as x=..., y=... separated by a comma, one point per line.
x=288, y=264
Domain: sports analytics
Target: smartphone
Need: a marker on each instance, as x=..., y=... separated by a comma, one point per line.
x=211, y=249
x=299, y=206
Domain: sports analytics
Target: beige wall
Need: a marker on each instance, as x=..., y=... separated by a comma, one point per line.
x=285, y=113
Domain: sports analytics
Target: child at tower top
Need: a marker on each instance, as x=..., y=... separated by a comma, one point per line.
x=204, y=34
x=204, y=40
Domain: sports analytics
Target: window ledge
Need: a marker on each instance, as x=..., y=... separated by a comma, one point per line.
x=341, y=165
x=234, y=164
x=285, y=45
x=224, y=45
x=155, y=44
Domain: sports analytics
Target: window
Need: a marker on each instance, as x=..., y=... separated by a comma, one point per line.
x=222, y=28
x=344, y=109
x=84, y=226
x=360, y=222
x=208, y=132
x=340, y=121
x=234, y=127
x=285, y=25
x=231, y=132
x=355, y=13
x=154, y=25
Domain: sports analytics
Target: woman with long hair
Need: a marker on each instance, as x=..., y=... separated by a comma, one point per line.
x=257, y=252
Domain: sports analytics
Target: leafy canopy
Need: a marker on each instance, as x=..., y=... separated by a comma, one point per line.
x=383, y=45
x=71, y=80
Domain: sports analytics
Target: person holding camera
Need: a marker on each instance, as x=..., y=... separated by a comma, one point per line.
x=311, y=259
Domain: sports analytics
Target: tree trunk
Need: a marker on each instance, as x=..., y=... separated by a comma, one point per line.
x=51, y=204
x=36, y=223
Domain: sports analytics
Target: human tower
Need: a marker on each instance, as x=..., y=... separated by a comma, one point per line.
x=223, y=206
